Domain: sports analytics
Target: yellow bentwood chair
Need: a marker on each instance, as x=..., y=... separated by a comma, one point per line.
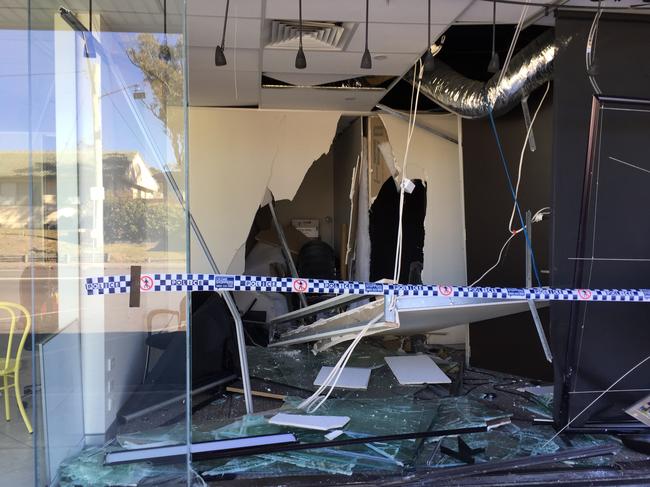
x=10, y=366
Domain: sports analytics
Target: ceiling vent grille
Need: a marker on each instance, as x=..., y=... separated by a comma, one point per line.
x=316, y=36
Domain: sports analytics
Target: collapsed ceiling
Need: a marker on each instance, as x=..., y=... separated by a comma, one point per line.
x=261, y=41
x=397, y=38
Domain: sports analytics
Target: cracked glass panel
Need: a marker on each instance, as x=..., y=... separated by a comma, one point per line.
x=88, y=469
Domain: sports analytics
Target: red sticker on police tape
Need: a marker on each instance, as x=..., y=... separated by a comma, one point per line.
x=300, y=285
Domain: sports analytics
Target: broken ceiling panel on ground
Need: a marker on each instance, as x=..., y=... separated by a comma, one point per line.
x=417, y=315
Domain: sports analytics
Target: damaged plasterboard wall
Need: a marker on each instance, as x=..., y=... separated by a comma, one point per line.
x=347, y=150
x=314, y=199
x=438, y=163
x=362, y=245
x=235, y=155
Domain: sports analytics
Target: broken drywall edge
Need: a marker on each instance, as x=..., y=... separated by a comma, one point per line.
x=326, y=343
x=386, y=151
x=328, y=338
x=358, y=315
x=352, y=223
x=237, y=264
x=362, y=247
x=288, y=172
x=236, y=156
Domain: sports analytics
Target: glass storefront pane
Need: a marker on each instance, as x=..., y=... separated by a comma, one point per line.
x=114, y=375
x=107, y=163
x=18, y=246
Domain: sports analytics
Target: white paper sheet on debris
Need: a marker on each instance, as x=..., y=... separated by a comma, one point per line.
x=312, y=422
x=351, y=377
x=416, y=369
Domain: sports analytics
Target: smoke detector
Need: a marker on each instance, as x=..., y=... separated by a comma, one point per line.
x=316, y=36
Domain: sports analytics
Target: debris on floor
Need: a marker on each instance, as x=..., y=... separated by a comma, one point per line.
x=482, y=418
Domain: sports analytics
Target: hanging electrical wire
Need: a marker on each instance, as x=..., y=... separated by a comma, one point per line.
x=415, y=97
x=219, y=55
x=493, y=66
x=366, y=59
x=504, y=163
x=515, y=191
x=315, y=401
x=523, y=152
x=513, y=43
x=165, y=53
x=334, y=376
x=496, y=264
x=301, y=61
x=429, y=62
x=537, y=217
x=503, y=158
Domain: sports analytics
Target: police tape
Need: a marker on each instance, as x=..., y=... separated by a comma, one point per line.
x=120, y=284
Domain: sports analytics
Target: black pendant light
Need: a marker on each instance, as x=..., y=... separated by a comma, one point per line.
x=493, y=67
x=165, y=53
x=219, y=56
x=428, y=56
x=301, y=61
x=366, y=60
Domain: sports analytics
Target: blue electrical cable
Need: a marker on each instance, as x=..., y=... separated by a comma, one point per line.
x=514, y=196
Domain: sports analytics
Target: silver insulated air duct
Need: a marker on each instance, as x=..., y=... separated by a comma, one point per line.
x=529, y=68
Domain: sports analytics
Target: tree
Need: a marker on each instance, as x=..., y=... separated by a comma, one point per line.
x=162, y=67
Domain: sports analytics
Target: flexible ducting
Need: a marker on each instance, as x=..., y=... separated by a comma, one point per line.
x=529, y=68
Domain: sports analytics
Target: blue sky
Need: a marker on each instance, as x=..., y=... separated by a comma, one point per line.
x=120, y=130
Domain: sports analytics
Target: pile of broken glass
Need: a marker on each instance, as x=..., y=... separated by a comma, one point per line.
x=491, y=424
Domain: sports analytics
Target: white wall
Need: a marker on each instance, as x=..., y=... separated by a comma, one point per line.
x=235, y=155
x=438, y=163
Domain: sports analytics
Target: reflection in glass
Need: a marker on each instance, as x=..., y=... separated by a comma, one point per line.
x=91, y=186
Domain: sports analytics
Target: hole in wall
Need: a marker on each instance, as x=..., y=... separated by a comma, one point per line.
x=384, y=218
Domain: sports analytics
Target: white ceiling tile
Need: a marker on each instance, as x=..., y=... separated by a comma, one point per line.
x=402, y=11
x=238, y=8
x=303, y=79
x=320, y=99
x=394, y=38
x=223, y=88
x=202, y=58
x=207, y=31
x=320, y=62
x=481, y=13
